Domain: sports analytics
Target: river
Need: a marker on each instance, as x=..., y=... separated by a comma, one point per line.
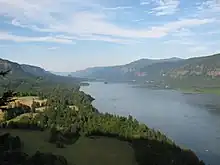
x=191, y=120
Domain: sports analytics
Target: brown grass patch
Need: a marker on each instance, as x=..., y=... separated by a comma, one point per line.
x=29, y=100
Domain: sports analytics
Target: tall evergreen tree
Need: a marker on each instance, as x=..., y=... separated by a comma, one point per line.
x=8, y=96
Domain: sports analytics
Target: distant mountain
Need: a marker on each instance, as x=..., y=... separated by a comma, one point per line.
x=175, y=72
x=16, y=70
x=34, y=70
x=122, y=72
x=19, y=71
x=27, y=75
x=199, y=66
x=196, y=72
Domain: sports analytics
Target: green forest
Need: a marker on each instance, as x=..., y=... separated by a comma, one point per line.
x=69, y=130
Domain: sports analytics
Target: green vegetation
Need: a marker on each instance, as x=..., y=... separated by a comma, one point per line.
x=96, y=150
x=70, y=126
x=201, y=73
x=11, y=154
x=30, y=80
x=87, y=131
x=202, y=90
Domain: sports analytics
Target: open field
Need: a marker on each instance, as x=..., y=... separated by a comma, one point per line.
x=86, y=151
x=28, y=100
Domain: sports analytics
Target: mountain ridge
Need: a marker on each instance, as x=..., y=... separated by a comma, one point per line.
x=120, y=70
x=203, y=70
x=28, y=77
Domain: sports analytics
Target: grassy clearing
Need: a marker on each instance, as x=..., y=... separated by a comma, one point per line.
x=86, y=151
x=211, y=91
x=19, y=118
x=28, y=100
x=1, y=116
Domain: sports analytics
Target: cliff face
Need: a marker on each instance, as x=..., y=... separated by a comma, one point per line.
x=133, y=70
x=204, y=66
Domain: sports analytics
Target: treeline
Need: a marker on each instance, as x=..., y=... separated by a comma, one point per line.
x=150, y=146
x=35, y=86
x=16, y=110
x=69, y=114
x=88, y=120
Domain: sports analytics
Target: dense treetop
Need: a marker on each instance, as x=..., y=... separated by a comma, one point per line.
x=68, y=114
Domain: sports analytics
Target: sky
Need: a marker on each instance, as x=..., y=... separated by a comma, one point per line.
x=70, y=35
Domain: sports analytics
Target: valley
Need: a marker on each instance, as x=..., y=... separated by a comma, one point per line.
x=67, y=121
x=61, y=114
x=109, y=82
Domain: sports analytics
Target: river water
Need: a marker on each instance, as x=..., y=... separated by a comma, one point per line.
x=191, y=120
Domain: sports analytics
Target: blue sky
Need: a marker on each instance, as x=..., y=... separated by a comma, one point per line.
x=69, y=35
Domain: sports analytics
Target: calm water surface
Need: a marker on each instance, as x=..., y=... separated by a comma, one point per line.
x=191, y=120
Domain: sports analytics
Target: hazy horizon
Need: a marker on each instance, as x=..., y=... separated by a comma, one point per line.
x=69, y=71
x=70, y=35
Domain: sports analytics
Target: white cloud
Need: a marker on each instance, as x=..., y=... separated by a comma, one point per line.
x=184, y=23
x=165, y=7
x=145, y=2
x=118, y=8
x=183, y=32
x=214, y=5
x=138, y=20
x=199, y=49
x=208, y=8
x=53, y=48
x=29, y=26
x=94, y=25
x=86, y=23
x=5, y=36
x=100, y=38
x=181, y=41
x=213, y=32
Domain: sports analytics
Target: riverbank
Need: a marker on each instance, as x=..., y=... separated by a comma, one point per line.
x=215, y=91
x=181, y=117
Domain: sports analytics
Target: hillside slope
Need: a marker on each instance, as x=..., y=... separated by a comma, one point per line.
x=200, y=66
x=34, y=70
x=174, y=72
x=122, y=72
x=26, y=77
x=16, y=70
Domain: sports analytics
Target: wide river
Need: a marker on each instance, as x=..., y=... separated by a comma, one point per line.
x=191, y=120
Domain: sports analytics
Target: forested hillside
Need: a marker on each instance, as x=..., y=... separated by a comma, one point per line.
x=200, y=72
x=126, y=72
x=69, y=117
x=61, y=120
x=200, y=66
x=27, y=78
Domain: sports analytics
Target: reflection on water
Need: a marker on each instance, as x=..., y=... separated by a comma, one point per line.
x=192, y=120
